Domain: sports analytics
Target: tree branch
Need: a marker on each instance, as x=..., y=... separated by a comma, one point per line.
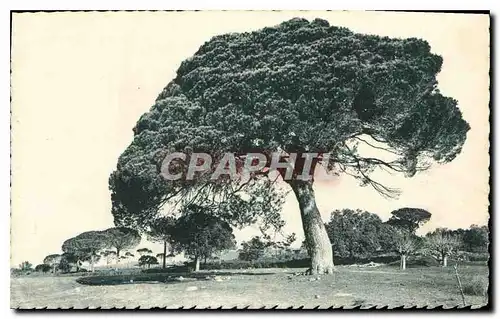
x=377, y=147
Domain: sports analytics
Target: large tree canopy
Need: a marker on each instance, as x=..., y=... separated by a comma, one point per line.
x=53, y=260
x=476, y=238
x=200, y=234
x=441, y=244
x=409, y=219
x=121, y=238
x=297, y=87
x=86, y=246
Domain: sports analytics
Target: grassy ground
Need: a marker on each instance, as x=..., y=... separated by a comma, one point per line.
x=349, y=286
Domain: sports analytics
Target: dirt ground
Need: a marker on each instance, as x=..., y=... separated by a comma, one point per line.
x=348, y=287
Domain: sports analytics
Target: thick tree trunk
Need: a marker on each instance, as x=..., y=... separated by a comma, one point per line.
x=445, y=261
x=196, y=263
x=402, y=263
x=318, y=244
x=164, y=254
x=117, y=255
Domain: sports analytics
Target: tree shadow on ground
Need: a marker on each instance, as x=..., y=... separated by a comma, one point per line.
x=155, y=278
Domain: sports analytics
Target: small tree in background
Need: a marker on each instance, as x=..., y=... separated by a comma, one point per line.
x=53, y=260
x=26, y=266
x=281, y=248
x=409, y=219
x=64, y=265
x=404, y=243
x=354, y=233
x=147, y=260
x=201, y=235
x=476, y=239
x=253, y=249
x=87, y=246
x=74, y=253
x=122, y=238
x=161, y=231
x=72, y=259
x=441, y=245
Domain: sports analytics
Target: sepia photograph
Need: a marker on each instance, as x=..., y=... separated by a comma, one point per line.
x=250, y=160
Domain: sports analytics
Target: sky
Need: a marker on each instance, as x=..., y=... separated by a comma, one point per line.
x=80, y=82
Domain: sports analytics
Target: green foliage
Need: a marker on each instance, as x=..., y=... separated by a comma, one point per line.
x=476, y=238
x=64, y=265
x=161, y=229
x=355, y=233
x=26, y=266
x=147, y=260
x=52, y=260
x=475, y=257
x=86, y=246
x=409, y=219
x=441, y=244
x=422, y=261
x=253, y=249
x=43, y=268
x=258, y=248
x=251, y=264
x=121, y=238
x=72, y=260
x=16, y=272
x=267, y=248
x=417, y=261
x=476, y=286
x=299, y=87
x=201, y=234
x=404, y=242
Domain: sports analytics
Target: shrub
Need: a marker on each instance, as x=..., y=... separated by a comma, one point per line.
x=64, y=266
x=423, y=261
x=15, y=272
x=148, y=260
x=171, y=269
x=476, y=286
x=43, y=268
x=245, y=264
x=418, y=261
x=26, y=266
x=476, y=256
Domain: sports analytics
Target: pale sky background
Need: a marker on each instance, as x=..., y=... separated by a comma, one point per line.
x=80, y=81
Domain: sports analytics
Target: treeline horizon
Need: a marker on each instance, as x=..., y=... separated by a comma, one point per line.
x=97, y=243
